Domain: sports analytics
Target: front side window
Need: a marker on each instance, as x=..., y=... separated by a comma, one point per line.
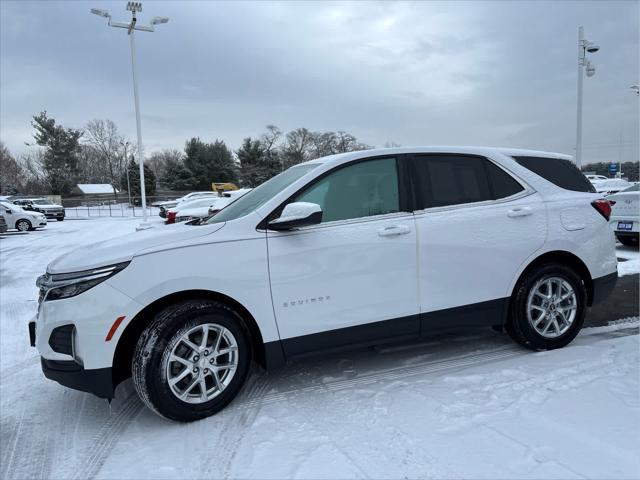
x=362, y=189
x=444, y=180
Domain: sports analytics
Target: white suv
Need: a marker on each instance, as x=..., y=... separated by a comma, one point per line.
x=349, y=250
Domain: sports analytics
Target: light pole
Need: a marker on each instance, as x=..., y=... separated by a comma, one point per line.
x=125, y=146
x=132, y=26
x=584, y=67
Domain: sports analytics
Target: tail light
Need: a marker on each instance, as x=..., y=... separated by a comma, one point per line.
x=171, y=217
x=603, y=207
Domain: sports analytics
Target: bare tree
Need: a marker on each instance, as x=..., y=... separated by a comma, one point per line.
x=103, y=137
x=296, y=147
x=32, y=164
x=11, y=174
x=271, y=138
x=160, y=161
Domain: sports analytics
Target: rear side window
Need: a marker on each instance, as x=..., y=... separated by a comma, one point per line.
x=558, y=171
x=451, y=180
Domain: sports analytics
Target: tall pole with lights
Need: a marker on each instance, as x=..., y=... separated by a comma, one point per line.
x=584, y=67
x=132, y=26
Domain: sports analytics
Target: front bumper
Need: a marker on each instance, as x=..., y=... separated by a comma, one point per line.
x=603, y=286
x=92, y=314
x=70, y=374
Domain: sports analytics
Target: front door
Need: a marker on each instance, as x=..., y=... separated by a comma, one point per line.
x=352, y=278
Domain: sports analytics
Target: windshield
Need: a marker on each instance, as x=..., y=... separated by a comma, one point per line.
x=40, y=201
x=262, y=194
x=632, y=188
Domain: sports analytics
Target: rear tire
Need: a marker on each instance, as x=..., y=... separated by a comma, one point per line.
x=536, y=307
x=181, y=374
x=628, y=241
x=60, y=219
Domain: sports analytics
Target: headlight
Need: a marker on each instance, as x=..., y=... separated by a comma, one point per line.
x=66, y=285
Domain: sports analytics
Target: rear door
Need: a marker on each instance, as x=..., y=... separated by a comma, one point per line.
x=476, y=225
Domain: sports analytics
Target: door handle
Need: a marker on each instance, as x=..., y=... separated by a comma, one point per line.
x=519, y=212
x=393, y=230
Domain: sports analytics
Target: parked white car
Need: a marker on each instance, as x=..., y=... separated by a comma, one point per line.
x=165, y=206
x=193, y=209
x=20, y=219
x=202, y=207
x=610, y=185
x=354, y=249
x=625, y=217
x=596, y=177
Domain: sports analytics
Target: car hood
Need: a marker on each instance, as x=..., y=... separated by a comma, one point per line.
x=124, y=248
x=46, y=205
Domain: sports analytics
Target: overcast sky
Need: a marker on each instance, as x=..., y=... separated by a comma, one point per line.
x=426, y=73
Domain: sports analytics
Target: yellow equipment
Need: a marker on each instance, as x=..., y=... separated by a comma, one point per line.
x=223, y=187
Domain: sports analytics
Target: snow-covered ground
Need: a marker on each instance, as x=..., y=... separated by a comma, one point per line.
x=472, y=406
x=628, y=260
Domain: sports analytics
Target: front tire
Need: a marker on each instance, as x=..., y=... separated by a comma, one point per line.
x=547, y=308
x=23, y=225
x=192, y=360
x=60, y=219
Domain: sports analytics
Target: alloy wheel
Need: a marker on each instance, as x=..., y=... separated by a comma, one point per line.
x=551, y=306
x=202, y=363
x=23, y=226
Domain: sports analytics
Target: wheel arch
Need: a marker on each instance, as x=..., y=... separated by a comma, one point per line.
x=123, y=354
x=562, y=257
x=15, y=225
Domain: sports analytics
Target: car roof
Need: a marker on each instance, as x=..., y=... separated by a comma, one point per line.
x=484, y=151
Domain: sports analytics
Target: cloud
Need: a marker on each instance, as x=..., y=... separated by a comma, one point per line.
x=500, y=73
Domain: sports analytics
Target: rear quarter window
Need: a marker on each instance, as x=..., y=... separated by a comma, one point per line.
x=562, y=173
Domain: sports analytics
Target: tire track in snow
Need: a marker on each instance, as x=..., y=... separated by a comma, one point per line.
x=107, y=436
x=403, y=371
x=234, y=428
x=388, y=374
x=29, y=446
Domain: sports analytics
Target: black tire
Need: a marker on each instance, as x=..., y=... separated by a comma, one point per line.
x=154, y=348
x=60, y=219
x=628, y=241
x=519, y=327
x=23, y=225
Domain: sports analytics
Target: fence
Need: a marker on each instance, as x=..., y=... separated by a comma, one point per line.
x=88, y=207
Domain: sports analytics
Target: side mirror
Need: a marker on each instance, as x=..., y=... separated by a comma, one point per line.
x=297, y=214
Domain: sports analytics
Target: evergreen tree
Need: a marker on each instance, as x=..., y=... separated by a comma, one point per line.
x=208, y=163
x=61, y=154
x=257, y=165
x=134, y=179
x=176, y=176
